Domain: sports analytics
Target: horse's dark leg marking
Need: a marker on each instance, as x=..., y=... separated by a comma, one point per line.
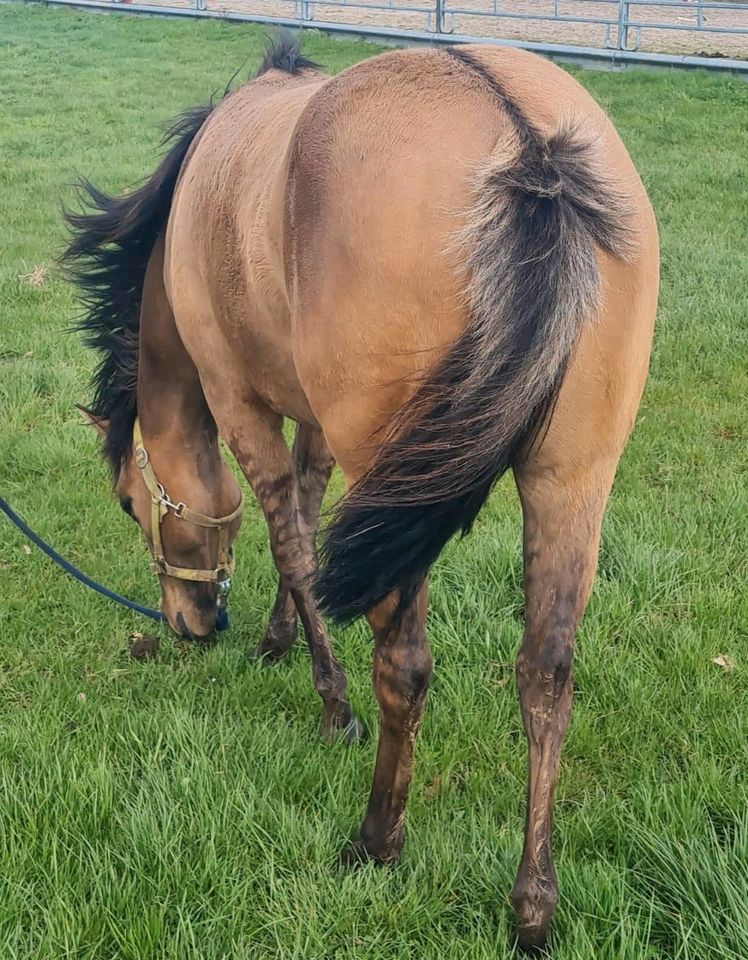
x=313, y=465
x=280, y=633
x=258, y=444
x=561, y=536
x=402, y=670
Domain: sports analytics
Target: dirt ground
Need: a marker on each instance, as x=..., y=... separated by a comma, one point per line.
x=416, y=15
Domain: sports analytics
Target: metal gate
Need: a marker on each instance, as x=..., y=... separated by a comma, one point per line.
x=708, y=33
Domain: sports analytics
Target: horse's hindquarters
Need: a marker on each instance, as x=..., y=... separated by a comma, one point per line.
x=386, y=158
x=563, y=245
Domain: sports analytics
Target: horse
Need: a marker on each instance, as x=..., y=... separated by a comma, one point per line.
x=442, y=265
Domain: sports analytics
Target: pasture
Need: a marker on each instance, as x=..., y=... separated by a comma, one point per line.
x=185, y=808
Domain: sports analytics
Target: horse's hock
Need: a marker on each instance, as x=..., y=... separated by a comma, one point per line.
x=681, y=27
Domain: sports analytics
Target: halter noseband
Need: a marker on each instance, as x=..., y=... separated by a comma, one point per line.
x=161, y=504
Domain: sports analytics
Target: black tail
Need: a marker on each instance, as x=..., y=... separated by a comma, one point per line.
x=107, y=258
x=530, y=245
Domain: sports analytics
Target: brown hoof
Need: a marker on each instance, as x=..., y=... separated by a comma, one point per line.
x=267, y=655
x=377, y=842
x=355, y=854
x=532, y=941
x=349, y=729
x=276, y=643
x=534, y=901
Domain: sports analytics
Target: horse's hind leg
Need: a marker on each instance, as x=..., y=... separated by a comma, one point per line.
x=562, y=518
x=256, y=440
x=402, y=671
x=313, y=465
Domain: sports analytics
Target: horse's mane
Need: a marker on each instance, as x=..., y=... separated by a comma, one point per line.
x=111, y=243
x=107, y=256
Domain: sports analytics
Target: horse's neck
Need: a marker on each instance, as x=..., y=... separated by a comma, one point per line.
x=170, y=398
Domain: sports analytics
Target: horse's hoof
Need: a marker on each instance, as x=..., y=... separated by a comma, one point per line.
x=276, y=643
x=268, y=655
x=354, y=855
x=534, y=898
x=532, y=941
x=351, y=732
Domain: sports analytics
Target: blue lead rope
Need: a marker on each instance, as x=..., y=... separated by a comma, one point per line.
x=222, y=617
x=74, y=571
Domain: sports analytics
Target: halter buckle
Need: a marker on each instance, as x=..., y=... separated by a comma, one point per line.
x=224, y=587
x=167, y=503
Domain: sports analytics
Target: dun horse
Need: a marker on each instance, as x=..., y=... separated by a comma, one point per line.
x=441, y=264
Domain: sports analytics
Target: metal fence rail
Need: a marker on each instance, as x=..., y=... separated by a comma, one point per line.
x=712, y=33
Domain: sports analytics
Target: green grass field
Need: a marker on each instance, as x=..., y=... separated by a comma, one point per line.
x=185, y=808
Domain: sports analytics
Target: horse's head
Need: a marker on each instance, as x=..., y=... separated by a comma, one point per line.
x=188, y=504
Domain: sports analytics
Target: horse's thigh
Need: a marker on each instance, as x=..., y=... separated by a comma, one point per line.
x=600, y=395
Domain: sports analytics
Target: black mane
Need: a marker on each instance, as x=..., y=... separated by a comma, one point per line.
x=111, y=243
x=106, y=258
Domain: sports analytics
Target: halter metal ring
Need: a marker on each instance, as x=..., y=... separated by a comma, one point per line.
x=165, y=500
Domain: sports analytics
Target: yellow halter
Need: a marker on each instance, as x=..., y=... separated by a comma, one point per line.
x=161, y=504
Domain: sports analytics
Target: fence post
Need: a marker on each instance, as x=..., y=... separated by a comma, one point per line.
x=439, y=14
x=623, y=24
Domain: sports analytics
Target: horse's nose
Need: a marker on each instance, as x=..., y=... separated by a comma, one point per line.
x=185, y=631
x=183, y=628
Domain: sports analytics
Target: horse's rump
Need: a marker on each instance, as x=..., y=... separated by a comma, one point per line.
x=474, y=224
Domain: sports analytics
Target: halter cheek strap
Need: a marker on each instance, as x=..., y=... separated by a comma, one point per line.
x=161, y=504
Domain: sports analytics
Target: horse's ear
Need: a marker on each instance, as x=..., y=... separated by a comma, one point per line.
x=92, y=420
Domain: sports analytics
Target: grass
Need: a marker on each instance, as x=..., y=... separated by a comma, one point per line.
x=185, y=808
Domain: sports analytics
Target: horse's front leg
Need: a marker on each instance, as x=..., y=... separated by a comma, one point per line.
x=256, y=440
x=313, y=465
x=561, y=537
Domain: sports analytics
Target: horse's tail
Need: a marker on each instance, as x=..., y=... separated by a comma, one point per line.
x=531, y=249
x=110, y=245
